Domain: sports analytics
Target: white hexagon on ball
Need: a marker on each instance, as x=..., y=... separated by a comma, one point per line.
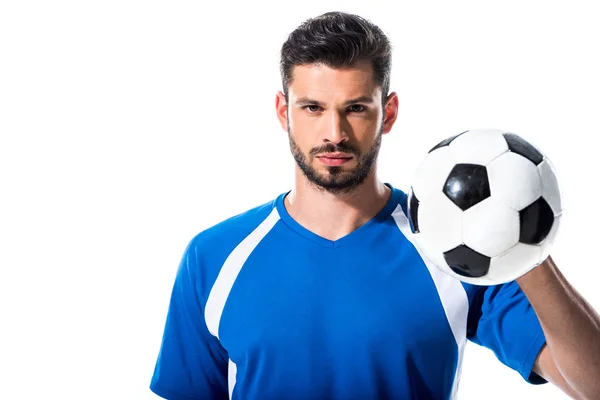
x=514, y=180
x=502, y=268
x=440, y=223
x=550, y=187
x=432, y=173
x=490, y=227
x=478, y=146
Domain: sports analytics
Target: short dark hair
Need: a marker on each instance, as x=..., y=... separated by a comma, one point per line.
x=337, y=39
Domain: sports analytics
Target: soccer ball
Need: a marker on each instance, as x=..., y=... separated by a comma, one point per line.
x=485, y=206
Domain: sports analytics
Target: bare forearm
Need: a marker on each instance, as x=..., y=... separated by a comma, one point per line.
x=570, y=324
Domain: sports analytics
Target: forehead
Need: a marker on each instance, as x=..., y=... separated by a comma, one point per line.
x=323, y=82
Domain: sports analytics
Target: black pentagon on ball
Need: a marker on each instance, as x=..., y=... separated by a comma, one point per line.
x=413, y=211
x=467, y=262
x=536, y=221
x=518, y=145
x=445, y=142
x=467, y=185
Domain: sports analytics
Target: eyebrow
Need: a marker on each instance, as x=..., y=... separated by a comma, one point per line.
x=361, y=99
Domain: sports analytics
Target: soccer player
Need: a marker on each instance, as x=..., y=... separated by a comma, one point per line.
x=321, y=294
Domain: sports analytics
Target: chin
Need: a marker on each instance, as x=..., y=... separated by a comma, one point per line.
x=336, y=173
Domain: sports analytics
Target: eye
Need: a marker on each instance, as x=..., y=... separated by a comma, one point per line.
x=356, y=108
x=312, y=108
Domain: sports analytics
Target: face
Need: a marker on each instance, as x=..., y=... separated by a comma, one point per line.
x=335, y=121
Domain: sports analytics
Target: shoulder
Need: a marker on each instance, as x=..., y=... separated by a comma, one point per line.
x=237, y=227
x=402, y=196
x=399, y=197
x=227, y=234
x=207, y=251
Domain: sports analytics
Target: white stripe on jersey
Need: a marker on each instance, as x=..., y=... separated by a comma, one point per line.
x=452, y=295
x=231, y=377
x=226, y=278
x=230, y=270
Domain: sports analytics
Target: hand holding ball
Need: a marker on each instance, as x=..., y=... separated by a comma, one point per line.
x=485, y=206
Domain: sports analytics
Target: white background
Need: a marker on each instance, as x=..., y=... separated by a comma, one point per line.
x=128, y=126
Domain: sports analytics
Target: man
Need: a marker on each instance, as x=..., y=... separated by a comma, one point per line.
x=321, y=294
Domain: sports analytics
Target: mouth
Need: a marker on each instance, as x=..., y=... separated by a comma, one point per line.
x=334, y=159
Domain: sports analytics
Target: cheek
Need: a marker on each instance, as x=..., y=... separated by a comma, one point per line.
x=302, y=128
x=365, y=125
x=366, y=132
x=298, y=120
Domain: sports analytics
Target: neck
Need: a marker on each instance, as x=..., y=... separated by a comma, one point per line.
x=335, y=215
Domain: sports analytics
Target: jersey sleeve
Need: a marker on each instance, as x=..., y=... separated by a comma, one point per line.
x=191, y=363
x=502, y=320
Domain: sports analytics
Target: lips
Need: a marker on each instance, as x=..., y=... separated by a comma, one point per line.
x=334, y=159
x=336, y=156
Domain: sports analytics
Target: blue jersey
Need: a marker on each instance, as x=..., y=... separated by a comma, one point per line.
x=263, y=308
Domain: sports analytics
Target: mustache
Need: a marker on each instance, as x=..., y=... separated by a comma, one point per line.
x=334, y=148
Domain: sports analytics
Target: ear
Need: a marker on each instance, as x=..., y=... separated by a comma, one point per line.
x=282, y=110
x=391, y=112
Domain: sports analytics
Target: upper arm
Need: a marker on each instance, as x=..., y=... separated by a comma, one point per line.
x=191, y=363
x=502, y=319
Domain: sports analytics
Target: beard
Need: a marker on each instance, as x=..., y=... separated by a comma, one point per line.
x=336, y=180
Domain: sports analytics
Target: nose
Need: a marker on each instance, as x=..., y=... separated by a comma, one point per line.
x=336, y=128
